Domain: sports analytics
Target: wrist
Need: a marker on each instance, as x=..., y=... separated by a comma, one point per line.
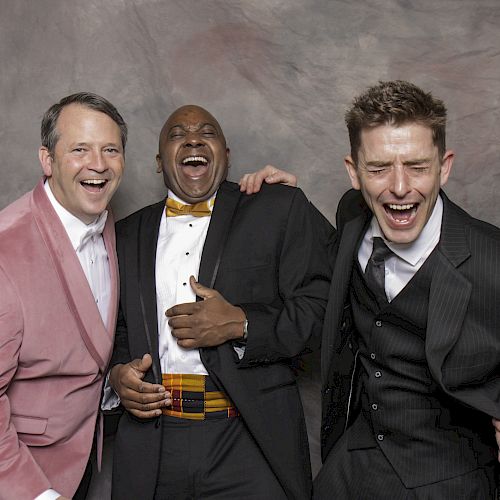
x=114, y=375
x=241, y=327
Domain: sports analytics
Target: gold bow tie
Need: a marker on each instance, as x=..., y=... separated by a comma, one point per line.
x=201, y=209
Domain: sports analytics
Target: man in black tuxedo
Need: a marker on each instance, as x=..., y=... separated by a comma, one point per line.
x=411, y=346
x=212, y=404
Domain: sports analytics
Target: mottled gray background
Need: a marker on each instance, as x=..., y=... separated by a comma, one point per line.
x=278, y=74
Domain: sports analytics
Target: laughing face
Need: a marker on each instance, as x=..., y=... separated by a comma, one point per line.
x=88, y=161
x=399, y=173
x=193, y=154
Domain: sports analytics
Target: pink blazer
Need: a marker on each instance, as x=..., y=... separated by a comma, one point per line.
x=54, y=350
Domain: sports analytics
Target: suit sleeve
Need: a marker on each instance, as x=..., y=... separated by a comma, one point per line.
x=20, y=476
x=121, y=353
x=293, y=322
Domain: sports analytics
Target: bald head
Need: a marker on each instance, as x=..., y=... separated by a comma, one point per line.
x=192, y=154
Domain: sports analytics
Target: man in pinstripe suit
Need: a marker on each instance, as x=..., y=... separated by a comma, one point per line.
x=411, y=347
x=411, y=344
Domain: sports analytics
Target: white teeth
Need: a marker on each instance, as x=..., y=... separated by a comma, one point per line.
x=401, y=207
x=96, y=182
x=194, y=158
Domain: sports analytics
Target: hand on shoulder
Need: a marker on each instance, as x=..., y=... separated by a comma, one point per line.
x=251, y=183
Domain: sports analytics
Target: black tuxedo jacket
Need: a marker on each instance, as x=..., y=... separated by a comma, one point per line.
x=260, y=253
x=463, y=324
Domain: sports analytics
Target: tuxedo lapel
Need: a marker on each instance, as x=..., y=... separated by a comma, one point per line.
x=96, y=337
x=338, y=297
x=450, y=290
x=146, y=265
x=226, y=202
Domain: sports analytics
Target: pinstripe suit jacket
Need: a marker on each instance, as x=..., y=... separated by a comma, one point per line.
x=463, y=323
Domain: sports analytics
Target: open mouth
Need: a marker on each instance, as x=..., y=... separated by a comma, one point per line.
x=401, y=214
x=94, y=185
x=195, y=166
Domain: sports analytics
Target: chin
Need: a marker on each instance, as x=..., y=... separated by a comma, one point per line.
x=401, y=236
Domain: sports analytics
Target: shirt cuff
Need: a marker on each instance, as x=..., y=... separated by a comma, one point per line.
x=240, y=350
x=110, y=400
x=48, y=495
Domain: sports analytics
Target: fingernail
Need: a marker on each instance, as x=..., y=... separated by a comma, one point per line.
x=161, y=389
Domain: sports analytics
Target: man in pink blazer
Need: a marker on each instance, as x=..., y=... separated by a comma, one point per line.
x=58, y=303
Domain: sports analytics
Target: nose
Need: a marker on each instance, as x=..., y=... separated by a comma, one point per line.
x=193, y=141
x=400, y=185
x=98, y=162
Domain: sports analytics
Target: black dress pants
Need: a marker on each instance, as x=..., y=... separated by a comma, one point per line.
x=366, y=474
x=213, y=459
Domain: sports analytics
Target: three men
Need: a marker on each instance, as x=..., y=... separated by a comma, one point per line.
x=213, y=407
x=59, y=282
x=411, y=352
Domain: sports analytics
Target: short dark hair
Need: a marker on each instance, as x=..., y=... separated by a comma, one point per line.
x=49, y=132
x=396, y=103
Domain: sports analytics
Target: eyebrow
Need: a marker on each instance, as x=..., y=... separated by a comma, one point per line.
x=415, y=161
x=411, y=161
x=375, y=163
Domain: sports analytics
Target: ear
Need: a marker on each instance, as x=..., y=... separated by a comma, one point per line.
x=353, y=172
x=228, y=151
x=446, y=165
x=45, y=160
x=159, y=167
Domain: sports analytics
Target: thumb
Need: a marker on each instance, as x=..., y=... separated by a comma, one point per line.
x=200, y=290
x=142, y=365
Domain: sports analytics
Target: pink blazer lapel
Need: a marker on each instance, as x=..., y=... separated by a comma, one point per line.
x=97, y=338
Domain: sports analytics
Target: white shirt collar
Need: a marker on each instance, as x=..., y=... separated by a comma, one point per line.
x=424, y=244
x=75, y=228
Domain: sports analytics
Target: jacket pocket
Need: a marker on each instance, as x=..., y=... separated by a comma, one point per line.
x=29, y=425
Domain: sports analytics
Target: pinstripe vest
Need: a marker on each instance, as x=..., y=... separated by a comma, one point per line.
x=421, y=431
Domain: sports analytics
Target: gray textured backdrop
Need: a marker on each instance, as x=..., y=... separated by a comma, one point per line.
x=277, y=73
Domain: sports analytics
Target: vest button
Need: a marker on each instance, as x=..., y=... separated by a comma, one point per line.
x=378, y=323
x=380, y=437
x=378, y=374
x=372, y=355
x=375, y=406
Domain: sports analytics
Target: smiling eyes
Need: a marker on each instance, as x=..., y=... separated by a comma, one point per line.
x=109, y=150
x=207, y=133
x=411, y=168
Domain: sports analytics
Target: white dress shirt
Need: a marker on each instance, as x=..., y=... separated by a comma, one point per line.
x=88, y=243
x=407, y=258
x=89, y=246
x=178, y=256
